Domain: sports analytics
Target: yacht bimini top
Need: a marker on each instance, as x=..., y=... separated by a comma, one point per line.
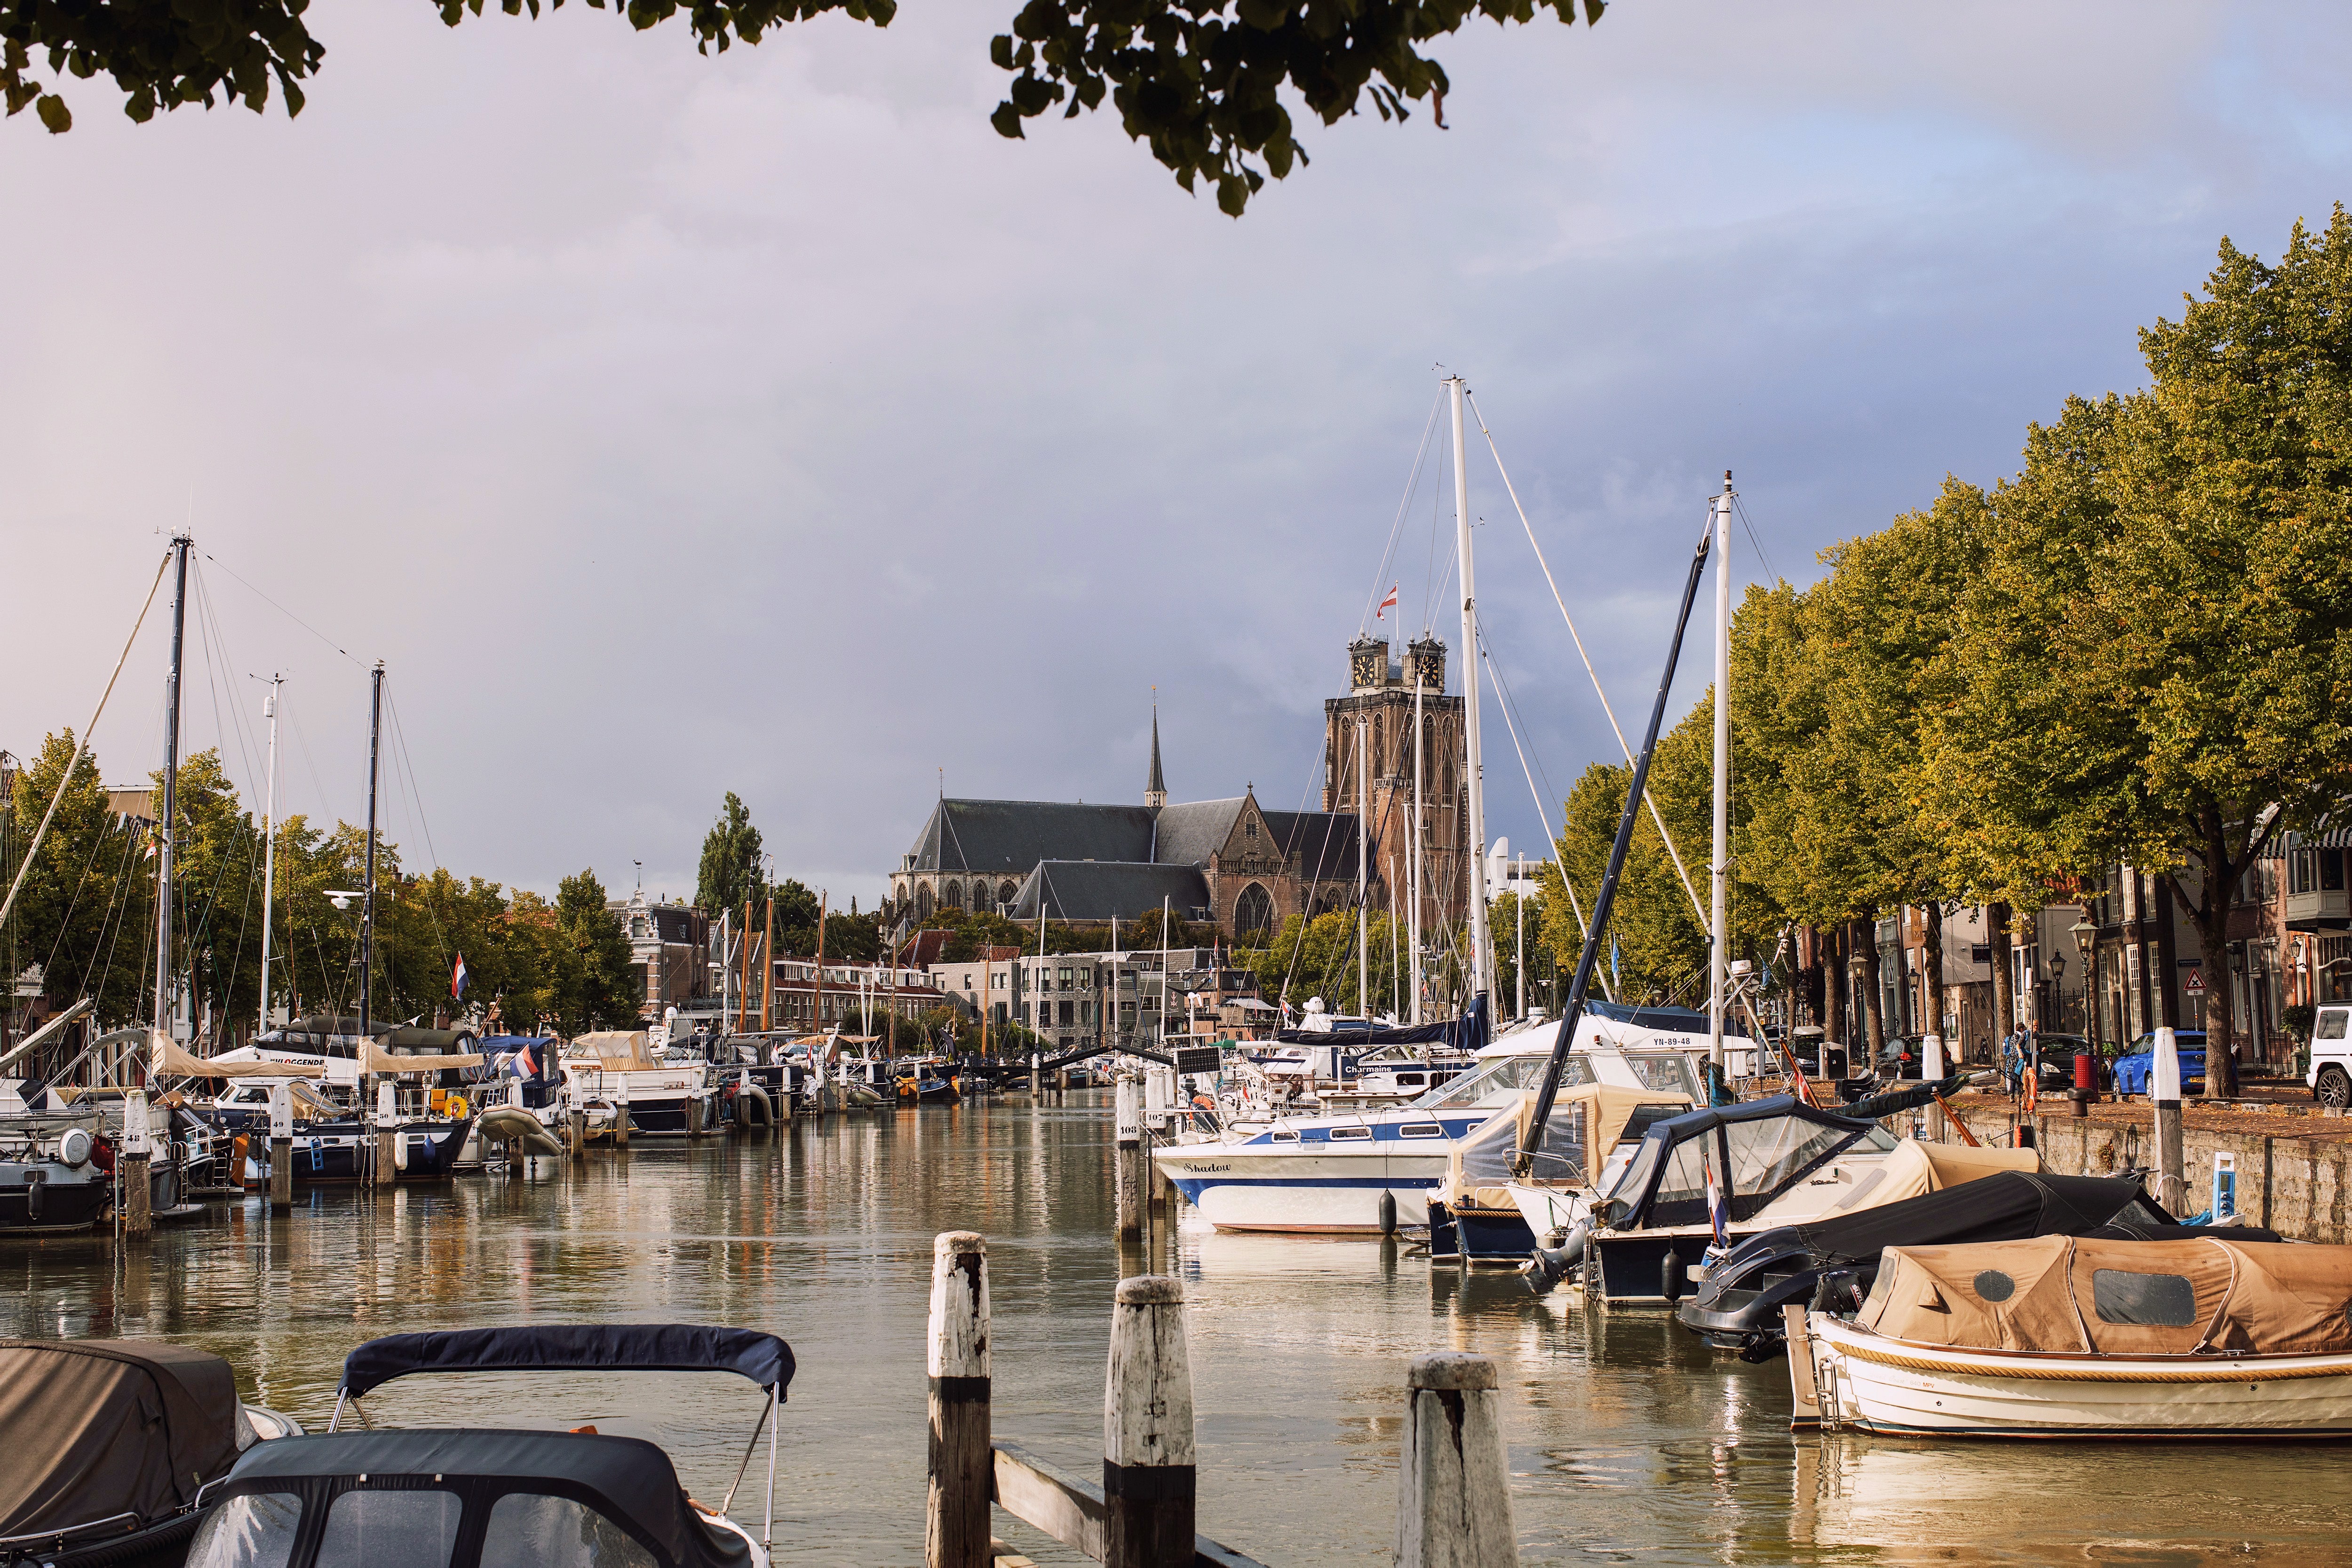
x=571, y=1347
x=1758, y=1149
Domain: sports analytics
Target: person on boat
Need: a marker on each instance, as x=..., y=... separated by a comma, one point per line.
x=2012, y=1058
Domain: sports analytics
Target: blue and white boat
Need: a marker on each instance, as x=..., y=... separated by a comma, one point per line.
x=1328, y=1174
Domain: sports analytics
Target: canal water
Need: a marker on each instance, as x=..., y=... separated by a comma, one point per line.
x=1627, y=1440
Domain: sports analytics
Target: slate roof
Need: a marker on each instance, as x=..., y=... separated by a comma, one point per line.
x=1009, y=837
x=1099, y=890
x=1324, y=841
x=1191, y=833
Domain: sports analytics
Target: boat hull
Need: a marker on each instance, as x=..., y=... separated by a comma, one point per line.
x=1315, y=1192
x=1893, y=1387
x=1478, y=1235
x=329, y=1151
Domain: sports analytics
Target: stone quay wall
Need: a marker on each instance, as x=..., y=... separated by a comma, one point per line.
x=2300, y=1186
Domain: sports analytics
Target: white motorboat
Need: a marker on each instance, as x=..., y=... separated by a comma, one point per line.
x=2061, y=1336
x=1773, y=1162
x=1329, y=1174
x=612, y=1073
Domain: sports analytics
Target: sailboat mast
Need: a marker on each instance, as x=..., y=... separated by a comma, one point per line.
x=1482, y=955
x=1414, y=857
x=1519, y=955
x=1363, y=848
x=166, y=836
x=1718, y=948
x=269, y=839
x=367, y=906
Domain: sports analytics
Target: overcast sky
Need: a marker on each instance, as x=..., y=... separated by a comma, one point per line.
x=672, y=425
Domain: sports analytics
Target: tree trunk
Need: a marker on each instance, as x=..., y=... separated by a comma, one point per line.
x=1834, y=1018
x=2004, y=974
x=1873, y=991
x=2212, y=915
x=1931, y=962
x=1809, y=975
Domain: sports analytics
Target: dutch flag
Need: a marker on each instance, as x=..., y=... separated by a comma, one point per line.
x=458, y=978
x=1718, y=1211
x=523, y=1064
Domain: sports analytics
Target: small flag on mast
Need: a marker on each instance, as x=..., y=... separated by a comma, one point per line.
x=1386, y=605
x=1719, y=1212
x=458, y=979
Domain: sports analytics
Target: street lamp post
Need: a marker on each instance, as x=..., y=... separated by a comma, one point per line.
x=2086, y=936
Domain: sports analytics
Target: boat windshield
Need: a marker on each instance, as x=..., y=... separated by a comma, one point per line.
x=1766, y=1156
x=1666, y=1069
x=1500, y=1078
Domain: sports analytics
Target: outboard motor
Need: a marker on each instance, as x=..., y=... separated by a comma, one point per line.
x=1839, y=1292
x=1547, y=1266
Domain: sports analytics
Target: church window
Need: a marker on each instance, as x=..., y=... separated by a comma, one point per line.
x=1249, y=829
x=1007, y=893
x=923, y=902
x=1252, y=911
x=955, y=896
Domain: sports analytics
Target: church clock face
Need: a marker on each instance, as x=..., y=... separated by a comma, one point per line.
x=1367, y=661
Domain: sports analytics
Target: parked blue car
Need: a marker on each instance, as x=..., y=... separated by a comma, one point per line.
x=2136, y=1068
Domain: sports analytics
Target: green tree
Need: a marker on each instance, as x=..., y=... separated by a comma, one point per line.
x=731, y=874
x=2157, y=664
x=595, y=986
x=87, y=913
x=1317, y=957
x=1201, y=84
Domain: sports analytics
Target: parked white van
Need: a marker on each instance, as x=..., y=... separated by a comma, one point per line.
x=2331, y=1055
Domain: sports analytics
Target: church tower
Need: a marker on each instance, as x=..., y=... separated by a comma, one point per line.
x=1155, y=788
x=1369, y=754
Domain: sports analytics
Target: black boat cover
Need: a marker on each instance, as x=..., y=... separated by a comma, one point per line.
x=627, y=1480
x=1467, y=1034
x=94, y=1428
x=572, y=1347
x=2006, y=1206
x=1894, y=1101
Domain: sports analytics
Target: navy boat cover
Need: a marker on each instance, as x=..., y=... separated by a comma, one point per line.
x=572, y=1347
x=1467, y=1034
x=628, y=1479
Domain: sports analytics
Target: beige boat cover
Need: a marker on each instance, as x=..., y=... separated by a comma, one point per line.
x=1916, y=1168
x=376, y=1061
x=2067, y=1294
x=616, y=1050
x=171, y=1059
x=1587, y=1121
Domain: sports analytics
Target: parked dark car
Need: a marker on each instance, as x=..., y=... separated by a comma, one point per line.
x=2055, y=1054
x=2135, y=1071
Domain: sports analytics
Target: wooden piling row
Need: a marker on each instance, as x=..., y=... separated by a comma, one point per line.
x=1453, y=1507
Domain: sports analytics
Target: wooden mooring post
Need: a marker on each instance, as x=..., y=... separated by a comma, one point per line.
x=281, y=1149
x=137, y=1196
x=955, y=1518
x=1453, y=1509
x=1127, y=1157
x=1150, y=1482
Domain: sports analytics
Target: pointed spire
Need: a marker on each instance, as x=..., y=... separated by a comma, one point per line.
x=1155, y=788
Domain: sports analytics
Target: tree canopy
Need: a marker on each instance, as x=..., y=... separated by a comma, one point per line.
x=2136, y=651
x=1201, y=83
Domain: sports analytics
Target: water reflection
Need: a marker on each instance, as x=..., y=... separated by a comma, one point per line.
x=1628, y=1440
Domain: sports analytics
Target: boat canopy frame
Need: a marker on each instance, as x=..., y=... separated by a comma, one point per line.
x=763, y=1358
x=1633, y=1201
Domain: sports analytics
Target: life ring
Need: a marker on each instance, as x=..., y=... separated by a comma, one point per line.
x=457, y=1107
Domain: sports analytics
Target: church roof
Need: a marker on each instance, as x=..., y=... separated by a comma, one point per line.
x=1324, y=841
x=1003, y=837
x=1100, y=890
x=1191, y=833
